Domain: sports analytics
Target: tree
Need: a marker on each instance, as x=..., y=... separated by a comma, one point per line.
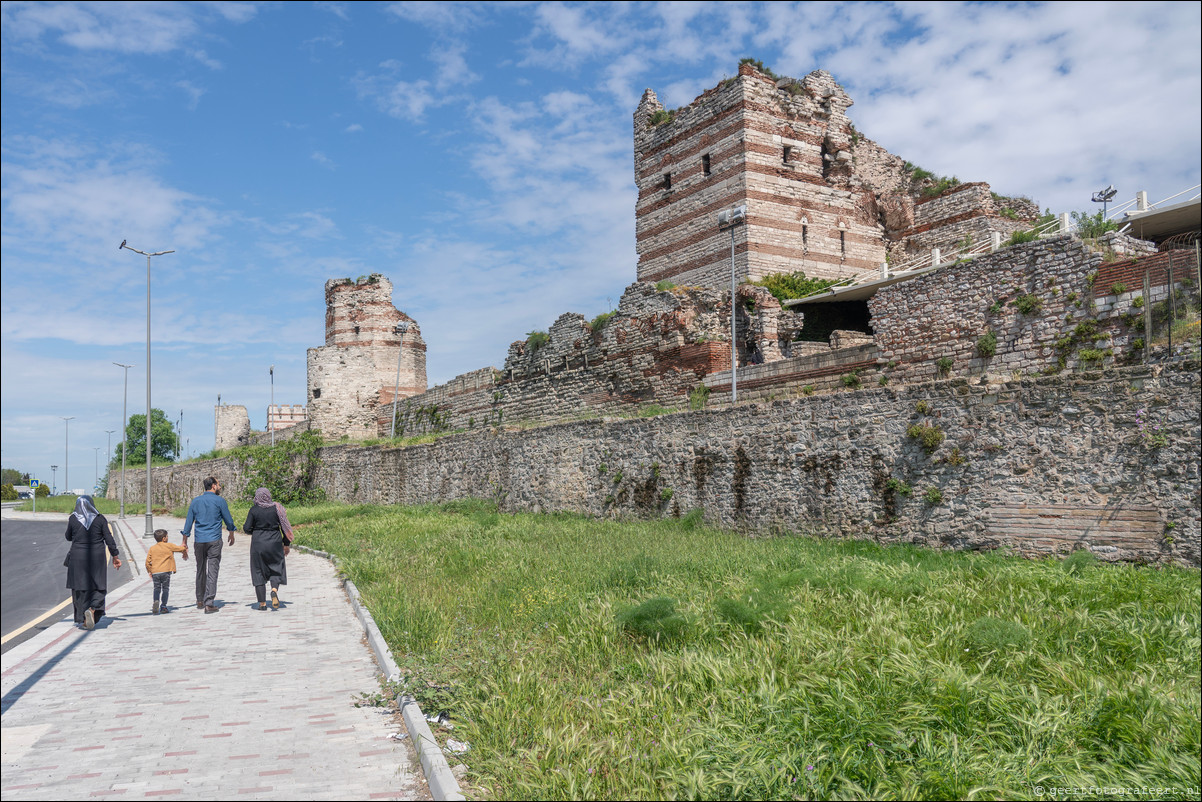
x=10, y=476
x=164, y=440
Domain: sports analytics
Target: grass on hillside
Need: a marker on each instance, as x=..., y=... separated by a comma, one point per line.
x=646, y=660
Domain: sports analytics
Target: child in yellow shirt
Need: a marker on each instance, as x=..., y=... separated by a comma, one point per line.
x=160, y=564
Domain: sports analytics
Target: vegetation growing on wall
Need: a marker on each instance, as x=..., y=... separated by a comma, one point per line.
x=787, y=286
x=288, y=469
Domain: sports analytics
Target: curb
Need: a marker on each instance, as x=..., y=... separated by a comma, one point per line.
x=442, y=783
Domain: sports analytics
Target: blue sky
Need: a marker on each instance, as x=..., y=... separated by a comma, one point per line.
x=478, y=155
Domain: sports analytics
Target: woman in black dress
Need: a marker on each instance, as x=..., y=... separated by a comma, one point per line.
x=87, y=574
x=270, y=533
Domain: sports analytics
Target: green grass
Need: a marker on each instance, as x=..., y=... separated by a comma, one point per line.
x=666, y=659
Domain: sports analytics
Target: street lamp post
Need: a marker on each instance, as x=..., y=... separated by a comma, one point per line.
x=400, y=330
x=67, y=452
x=271, y=405
x=729, y=218
x=95, y=468
x=149, y=515
x=124, y=431
x=53, y=480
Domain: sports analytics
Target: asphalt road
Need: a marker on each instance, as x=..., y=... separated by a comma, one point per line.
x=32, y=577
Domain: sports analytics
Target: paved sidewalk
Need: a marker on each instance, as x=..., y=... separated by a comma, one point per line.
x=236, y=704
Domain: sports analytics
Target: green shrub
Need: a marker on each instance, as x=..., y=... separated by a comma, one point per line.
x=850, y=380
x=1019, y=237
x=1027, y=304
x=664, y=286
x=944, y=365
x=655, y=621
x=8, y=492
x=987, y=344
x=787, y=286
x=899, y=486
x=995, y=307
x=752, y=611
x=1118, y=288
x=536, y=340
x=662, y=116
x=699, y=396
x=1079, y=561
x=1092, y=225
x=922, y=408
x=929, y=437
x=933, y=496
x=602, y=320
x=666, y=494
x=1138, y=302
x=43, y=491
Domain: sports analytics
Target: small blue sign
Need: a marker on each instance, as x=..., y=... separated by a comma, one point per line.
x=34, y=483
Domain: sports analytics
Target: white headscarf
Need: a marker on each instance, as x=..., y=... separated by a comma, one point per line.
x=85, y=511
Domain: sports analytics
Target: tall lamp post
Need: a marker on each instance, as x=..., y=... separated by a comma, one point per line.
x=730, y=218
x=149, y=515
x=67, y=452
x=271, y=405
x=95, y=468
x=53, y=480
x=400, y=330
x=124, y=431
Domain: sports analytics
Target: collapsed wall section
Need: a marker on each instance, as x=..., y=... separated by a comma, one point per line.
x=656, y=347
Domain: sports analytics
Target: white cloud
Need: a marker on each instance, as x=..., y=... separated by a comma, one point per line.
x=353, y=128
x=194, y=93
x=322, y=159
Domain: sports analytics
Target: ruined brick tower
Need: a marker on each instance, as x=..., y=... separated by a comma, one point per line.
x=355, y=372
x=820, y=197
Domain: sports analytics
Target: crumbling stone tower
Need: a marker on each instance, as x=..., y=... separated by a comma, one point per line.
x=355, y=372
x=820, y=197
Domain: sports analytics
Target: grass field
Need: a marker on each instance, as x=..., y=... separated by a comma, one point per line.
x=645, y=660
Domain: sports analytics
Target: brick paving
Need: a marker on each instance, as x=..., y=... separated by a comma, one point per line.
x=237, y=704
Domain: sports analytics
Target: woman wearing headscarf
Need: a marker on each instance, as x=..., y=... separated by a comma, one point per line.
x=270, y=533
x=87, y=575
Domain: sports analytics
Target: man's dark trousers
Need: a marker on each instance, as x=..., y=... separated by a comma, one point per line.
x=208, y=562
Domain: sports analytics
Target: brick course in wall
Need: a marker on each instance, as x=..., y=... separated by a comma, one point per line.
x=355, y=372
x=820, y=197
x=1042, y=466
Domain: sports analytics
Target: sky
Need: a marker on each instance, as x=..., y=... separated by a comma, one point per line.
x=478, y=155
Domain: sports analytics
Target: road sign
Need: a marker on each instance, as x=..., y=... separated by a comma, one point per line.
x=34, y=483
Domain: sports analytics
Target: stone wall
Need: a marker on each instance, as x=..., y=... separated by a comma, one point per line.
x=1070, y=319
x=355, y=372
x=963, y=215
x=1040, y=466
x=655, y=349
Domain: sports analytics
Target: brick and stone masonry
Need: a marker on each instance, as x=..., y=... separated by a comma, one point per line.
x=355, y=372
x=820, y=197
x=1042, y=466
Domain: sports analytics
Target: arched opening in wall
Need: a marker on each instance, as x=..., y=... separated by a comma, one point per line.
x=822, y=319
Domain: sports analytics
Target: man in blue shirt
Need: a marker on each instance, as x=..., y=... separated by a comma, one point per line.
x=207, y=511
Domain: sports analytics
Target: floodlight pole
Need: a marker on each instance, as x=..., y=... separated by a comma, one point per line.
x=271, y=406
x=108, y=452
x=53, y=480
x=400, y=329
x=124, y=430
x=67, y=452
x=149, y=515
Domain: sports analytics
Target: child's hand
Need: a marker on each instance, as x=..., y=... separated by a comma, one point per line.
x=185, y=555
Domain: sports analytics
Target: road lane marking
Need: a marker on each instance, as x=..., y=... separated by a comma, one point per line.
x=34, y=622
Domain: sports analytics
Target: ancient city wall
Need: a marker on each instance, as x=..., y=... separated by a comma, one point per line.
x=656, y=348
x=1045, y=302
x=232, y=424
x=1040, y=466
